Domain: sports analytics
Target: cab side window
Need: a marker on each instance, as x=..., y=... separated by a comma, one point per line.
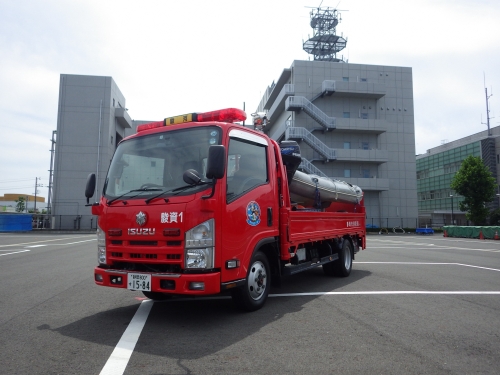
x=247, y=167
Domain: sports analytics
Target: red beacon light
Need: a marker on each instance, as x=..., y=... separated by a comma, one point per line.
x=222, y=115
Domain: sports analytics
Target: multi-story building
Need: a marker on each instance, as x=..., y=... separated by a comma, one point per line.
x=354, y=123
x=438, y=204
x=92, y=119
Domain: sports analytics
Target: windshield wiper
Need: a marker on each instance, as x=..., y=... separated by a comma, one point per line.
x=132, y=191
x=185, y=187
x=176, y=190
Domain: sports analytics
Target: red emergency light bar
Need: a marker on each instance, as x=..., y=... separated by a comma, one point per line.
x=223, y=115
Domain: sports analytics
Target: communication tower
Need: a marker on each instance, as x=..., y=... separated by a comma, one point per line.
x=325, y=44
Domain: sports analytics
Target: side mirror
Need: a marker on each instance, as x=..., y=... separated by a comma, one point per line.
x=90, y=187
x=216, y=164
x=191, y=177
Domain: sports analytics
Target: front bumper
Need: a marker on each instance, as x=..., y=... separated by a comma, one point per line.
x=163, y=283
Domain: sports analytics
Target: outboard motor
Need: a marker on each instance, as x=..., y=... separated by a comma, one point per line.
x=290, y=153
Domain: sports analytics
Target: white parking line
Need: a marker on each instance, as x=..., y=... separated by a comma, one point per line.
x=431, y=264
x=382, y=292
x=118, y=360
x=15, y=252
x=35, y=242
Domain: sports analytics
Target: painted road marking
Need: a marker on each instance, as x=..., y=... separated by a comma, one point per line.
x=118, y=360
x=15, y=252
x=424, y=263
x=463, y=292
x=35, y=242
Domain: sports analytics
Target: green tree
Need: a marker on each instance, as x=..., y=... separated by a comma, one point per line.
x=475, y=183
x=20, y=205
x=495, y=217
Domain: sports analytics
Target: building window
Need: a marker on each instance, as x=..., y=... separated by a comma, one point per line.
x=364, y=116
x=365, y=145
x=153, y=163
x=346, y=114
x=363, y=79
x=366, y=173
x=347, y=145
x=345, y=79
x=111, y=139
x=347, y=173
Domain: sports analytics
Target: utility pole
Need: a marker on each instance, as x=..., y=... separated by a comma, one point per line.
x=36, y=186
x=51, y=172
x=487, y=108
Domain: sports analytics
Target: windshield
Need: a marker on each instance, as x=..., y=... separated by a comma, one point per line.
x=148, y=165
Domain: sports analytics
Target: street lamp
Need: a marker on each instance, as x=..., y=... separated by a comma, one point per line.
x=451, y=196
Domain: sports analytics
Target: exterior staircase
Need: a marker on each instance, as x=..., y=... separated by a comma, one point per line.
x=310, y=168
x=300, y=103
x=306, y=136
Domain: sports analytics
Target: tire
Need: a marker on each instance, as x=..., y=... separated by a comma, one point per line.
x=253, y=294
x=157, y=296
x=343, y=266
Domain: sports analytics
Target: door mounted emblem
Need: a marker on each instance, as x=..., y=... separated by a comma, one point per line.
x=141, y=218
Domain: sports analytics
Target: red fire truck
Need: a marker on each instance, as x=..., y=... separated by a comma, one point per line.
x=198, y=205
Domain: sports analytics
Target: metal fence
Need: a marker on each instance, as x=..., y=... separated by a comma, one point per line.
x=64, y=222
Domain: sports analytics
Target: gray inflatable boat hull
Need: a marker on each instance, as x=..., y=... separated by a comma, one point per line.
x=303, y=190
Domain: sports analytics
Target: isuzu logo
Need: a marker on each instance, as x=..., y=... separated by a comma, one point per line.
x=141, y=231
x=141, y=218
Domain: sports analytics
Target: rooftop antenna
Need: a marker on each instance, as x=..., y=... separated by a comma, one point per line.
x=487, y=106
x=324, y=43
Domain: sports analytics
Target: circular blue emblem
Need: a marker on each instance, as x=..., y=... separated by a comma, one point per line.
x=253, y=213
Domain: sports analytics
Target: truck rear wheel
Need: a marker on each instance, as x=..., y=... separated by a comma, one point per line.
x=253, y=294
x=343, y=265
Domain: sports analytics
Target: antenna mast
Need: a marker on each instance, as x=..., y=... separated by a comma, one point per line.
x=324, y=44
x=487, y=110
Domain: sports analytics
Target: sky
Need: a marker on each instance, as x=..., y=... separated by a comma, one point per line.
x=174, y=57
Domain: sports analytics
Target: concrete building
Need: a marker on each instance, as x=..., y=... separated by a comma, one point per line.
x=354, y=123
x=92, y=119
x=437, y=202
x=8, y=202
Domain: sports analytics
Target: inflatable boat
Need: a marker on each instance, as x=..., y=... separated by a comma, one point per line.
x=312, y=190
x=308, y=189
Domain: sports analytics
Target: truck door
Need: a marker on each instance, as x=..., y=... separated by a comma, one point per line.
x=250, y=212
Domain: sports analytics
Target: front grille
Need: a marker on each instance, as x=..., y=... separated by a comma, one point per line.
x=174, y=243
x=144, y=243
x=147, y=267
x=146, y=256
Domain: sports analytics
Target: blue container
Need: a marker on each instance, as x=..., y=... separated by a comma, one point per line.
x=15, y=222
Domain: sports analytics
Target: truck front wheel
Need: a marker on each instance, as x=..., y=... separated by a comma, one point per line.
x=253, y=294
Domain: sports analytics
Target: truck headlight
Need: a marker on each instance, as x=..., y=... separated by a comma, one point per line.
x=101, y=246
x=199, y=246
x=200, y=258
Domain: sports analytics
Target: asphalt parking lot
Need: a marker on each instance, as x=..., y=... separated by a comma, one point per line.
x=412, y=305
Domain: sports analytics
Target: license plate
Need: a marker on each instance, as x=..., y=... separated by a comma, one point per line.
x=139, y=281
